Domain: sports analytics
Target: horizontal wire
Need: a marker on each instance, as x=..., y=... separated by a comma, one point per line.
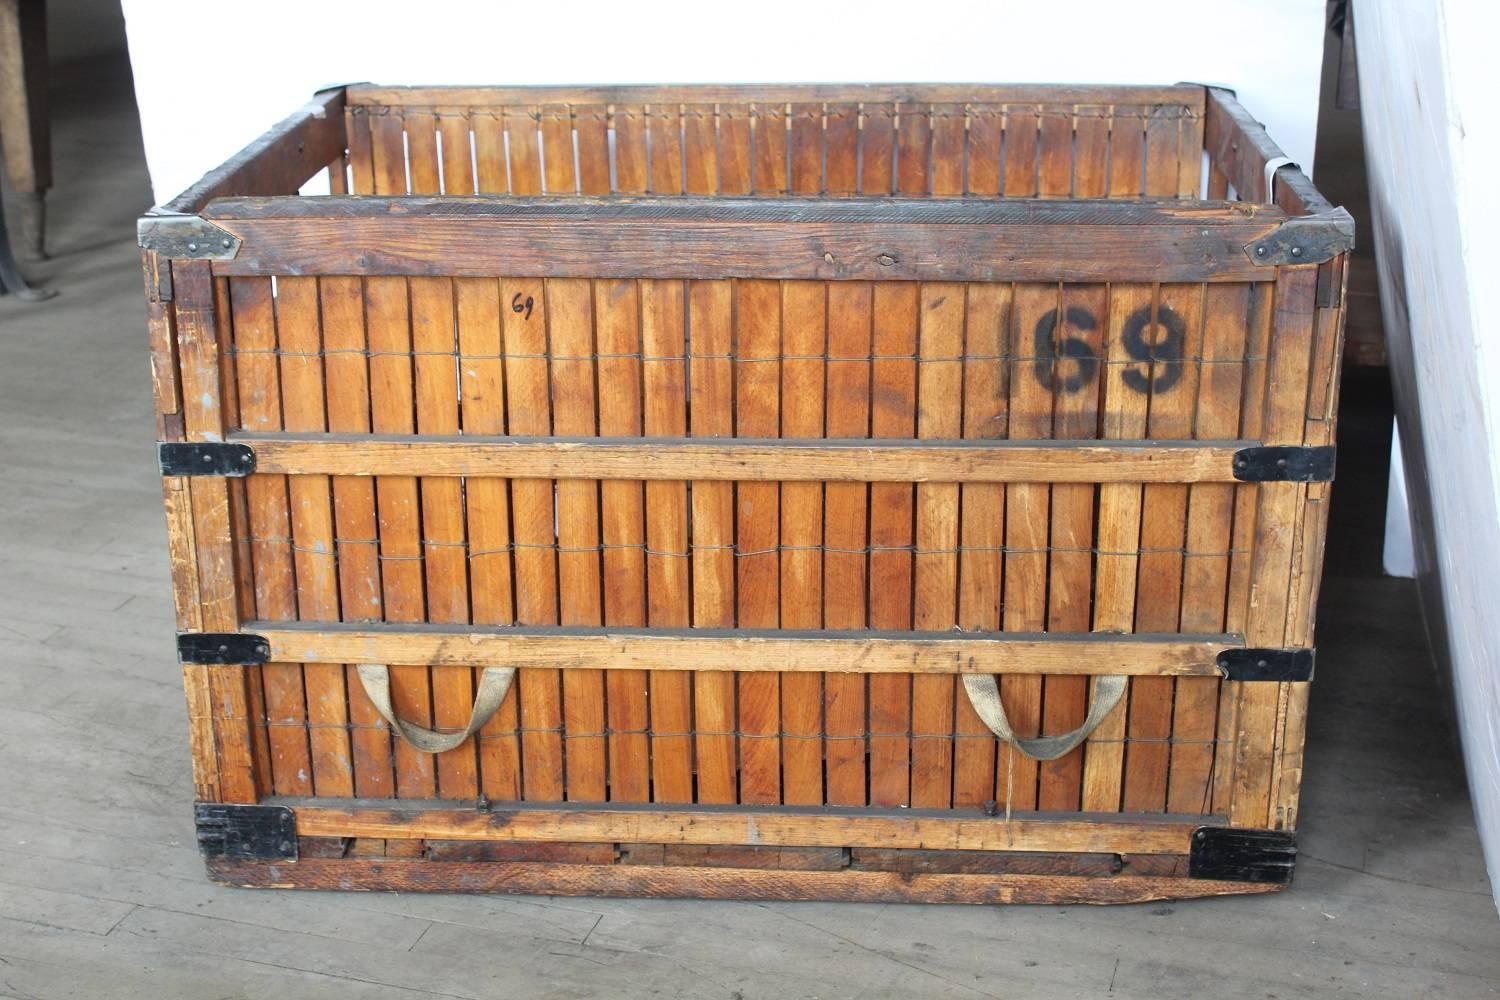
x=754, y=359
x=563, y=733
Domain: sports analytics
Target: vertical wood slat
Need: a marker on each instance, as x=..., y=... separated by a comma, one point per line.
x=736, y=150
x=1119, y=531
x=304, y=409
x=1027, y=507
x=487, y=505
x=1071, y=583
x=666, y=149
x=803, y=372
x=203, y=420
x=700, y=149
x=758, y=333
x=939, y=415
x=574, y=413
x=1206, y=568
x=529, y=411
x=445, y=538
x=392, y=408
x=664, y=374
x=986, y=411
x=1173, y=387
x=714, y=573
x=1287, y=377
x=622, y=510
x=845, y=536
x=877, y=149
x=1242, y=554
x=356, y=531
x=257, y=368
x=893, y=414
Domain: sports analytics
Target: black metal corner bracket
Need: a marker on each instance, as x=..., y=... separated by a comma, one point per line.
x=1224, y=853
x=185, y=237
x=231, y=830
x=222, y=648
x=1305, y=239
x=1266, y=664
x=1284, y=464
x=205, y=458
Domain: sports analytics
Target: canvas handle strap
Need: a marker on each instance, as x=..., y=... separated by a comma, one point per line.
x=493, y=685
x=984, y=695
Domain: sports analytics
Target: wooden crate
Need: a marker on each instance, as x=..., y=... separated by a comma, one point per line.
x=746, y=491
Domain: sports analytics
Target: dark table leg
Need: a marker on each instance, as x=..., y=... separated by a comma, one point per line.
x=25, y=127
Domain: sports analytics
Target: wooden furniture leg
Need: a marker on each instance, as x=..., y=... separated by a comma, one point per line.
x=25, y=129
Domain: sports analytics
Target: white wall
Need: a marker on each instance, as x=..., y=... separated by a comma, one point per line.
x=1426, y=75
x=209, y=77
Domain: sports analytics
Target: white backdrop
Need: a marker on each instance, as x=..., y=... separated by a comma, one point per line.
x=211, y=76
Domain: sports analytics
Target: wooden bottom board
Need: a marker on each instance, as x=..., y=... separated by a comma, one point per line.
x=649, y=881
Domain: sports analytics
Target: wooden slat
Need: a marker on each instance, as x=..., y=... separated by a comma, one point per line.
x=1175, y=333
x=392, y=408
x=845, y=537
x=356, y=530
x=948, y=140
x=223, y=688
x=944, y=460
x=1206, y=570
x=617, y=323
x=377, y=96
x=304, y=408
x=570, y=332
x=666, y=148
x=444, y=532
x=552, y=879
x=668, y=581
x=489, y=153
x=913, y=149
x=1288, y=370
x=280, y=161
x=893, y=414
x=939, y=415
x=911, y=239
x=877, y=149
x=559, y=171
x=523, y=141
x=841, y=149
x=809, y=827
x=1070, y=588
x=805, y=136
x=736, y=151
x=1026, y=529
x=1127, y=153
x=422, y=163
x=632, y=157
x=270, y=528
x=804, y=344
x=487, y=503
x=986, y=410
x=529, y=410
x=757, y=397
x=1119, y=534
x=457, y=150
x=986, y=132
x=700, y=149
x=591, y=138
x=711, y=415
x=753, y=649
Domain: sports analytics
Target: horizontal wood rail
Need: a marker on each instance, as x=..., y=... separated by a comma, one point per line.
x=888, y=239
x=822, y=826
x=746, y=459
x=525, y=98
x=1088, y=653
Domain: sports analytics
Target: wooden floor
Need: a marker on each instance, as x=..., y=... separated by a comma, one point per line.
x=102, y=893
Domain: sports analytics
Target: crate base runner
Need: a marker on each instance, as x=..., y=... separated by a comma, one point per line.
x=823, y=853
x=554, y=879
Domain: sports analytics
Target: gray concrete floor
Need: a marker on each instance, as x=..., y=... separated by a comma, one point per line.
x=102, y=893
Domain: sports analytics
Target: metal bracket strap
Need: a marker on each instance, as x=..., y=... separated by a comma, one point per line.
x=1266, y=664
x=186, y=237
x=205, y=458
x=1284, y=464
x=222, y=648
x=1228, y=854
x=234, y=830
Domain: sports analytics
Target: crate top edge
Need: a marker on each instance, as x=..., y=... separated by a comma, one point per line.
x=784, y=210
x=366, y=95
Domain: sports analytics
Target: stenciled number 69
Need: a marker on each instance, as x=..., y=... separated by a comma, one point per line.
x=1164, y=355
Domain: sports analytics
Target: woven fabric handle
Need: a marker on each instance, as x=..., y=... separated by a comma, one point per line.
x=984, y=695
x=493, y=685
